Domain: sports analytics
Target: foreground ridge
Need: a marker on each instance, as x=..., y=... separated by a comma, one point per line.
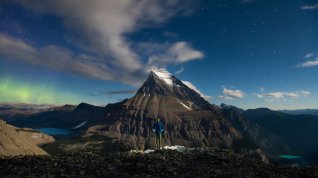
x=209, y=162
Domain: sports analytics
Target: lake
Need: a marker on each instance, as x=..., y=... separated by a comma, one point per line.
x=290, y=156
x=296, y=159
x=54, y=131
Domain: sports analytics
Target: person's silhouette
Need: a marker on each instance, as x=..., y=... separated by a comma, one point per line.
x=158, y=129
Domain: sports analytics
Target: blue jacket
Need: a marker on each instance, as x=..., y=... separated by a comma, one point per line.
x=158, y=127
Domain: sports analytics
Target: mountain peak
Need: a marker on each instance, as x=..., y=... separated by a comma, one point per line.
x=162, y=83
x=163, y=75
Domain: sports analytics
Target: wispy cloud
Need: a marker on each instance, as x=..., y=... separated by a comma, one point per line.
x=282, y=96
x=191, y=86
x=161, y=55
x=179, y=71
x=103, y=28
x=309, y=63
x=114, y=92
x=246, y=1
x=59, y=58
x=309, y=55
x=309, y=7
x=231, y=94
x=183, y=52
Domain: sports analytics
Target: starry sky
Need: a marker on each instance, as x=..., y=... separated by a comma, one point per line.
x=247, y=53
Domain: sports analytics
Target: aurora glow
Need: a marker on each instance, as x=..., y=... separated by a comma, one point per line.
x=14, y=91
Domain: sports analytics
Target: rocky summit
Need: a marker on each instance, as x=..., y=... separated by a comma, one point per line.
x=210, y=162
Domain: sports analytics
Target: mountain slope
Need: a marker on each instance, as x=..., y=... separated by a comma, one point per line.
x=298, y=131
x=15, y=141
x=266, y=140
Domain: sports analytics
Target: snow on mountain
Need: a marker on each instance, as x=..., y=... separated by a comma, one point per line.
x=187, y=107
x=164, y=75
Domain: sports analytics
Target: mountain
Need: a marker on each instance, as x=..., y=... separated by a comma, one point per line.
x=66, y=117
x=20, y=141
x=189, y=119
x=301, y=111
x=9, y=111
x=298, y=131
x=266, y=140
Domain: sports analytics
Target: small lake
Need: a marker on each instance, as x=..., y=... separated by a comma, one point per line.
x=299, y=160
x=54, y=131
x=290, y=156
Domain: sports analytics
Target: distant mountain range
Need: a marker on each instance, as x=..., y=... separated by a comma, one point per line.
x=301, y=111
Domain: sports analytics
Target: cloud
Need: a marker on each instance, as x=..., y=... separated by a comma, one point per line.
x=60, y=59
x=115, y=92
x=231, y=94
x=309, y=55
x=309, y=7
x=246, y=1
x=177, y=53
x=191, y=86
x=179, y=71
x=282, y=96
x=103, y=27
x=183, y=52
x=309, y=63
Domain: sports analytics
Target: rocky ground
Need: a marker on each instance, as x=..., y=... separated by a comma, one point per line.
x=166, y=163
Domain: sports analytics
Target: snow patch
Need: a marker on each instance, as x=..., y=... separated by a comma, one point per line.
x=184, y=105
x=190, y=103
x=141, y=151
x=80, y=125
x=164, y=75
x=178, y=148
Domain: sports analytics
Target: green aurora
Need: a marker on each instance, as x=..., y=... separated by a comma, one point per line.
x=18, y=91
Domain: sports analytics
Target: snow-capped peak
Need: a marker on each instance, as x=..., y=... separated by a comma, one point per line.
x=164, y=75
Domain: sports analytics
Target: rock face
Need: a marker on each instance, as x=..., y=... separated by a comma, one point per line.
x=18, y=141
x=188, y=118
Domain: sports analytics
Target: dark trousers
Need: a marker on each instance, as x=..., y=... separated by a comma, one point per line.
x=158, y=140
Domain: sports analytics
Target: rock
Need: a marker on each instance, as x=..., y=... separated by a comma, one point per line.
x=164, y=163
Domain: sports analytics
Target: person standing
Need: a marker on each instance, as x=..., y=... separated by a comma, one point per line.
x=158, y=129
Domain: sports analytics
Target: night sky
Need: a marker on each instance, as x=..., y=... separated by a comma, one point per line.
x=247, y=53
